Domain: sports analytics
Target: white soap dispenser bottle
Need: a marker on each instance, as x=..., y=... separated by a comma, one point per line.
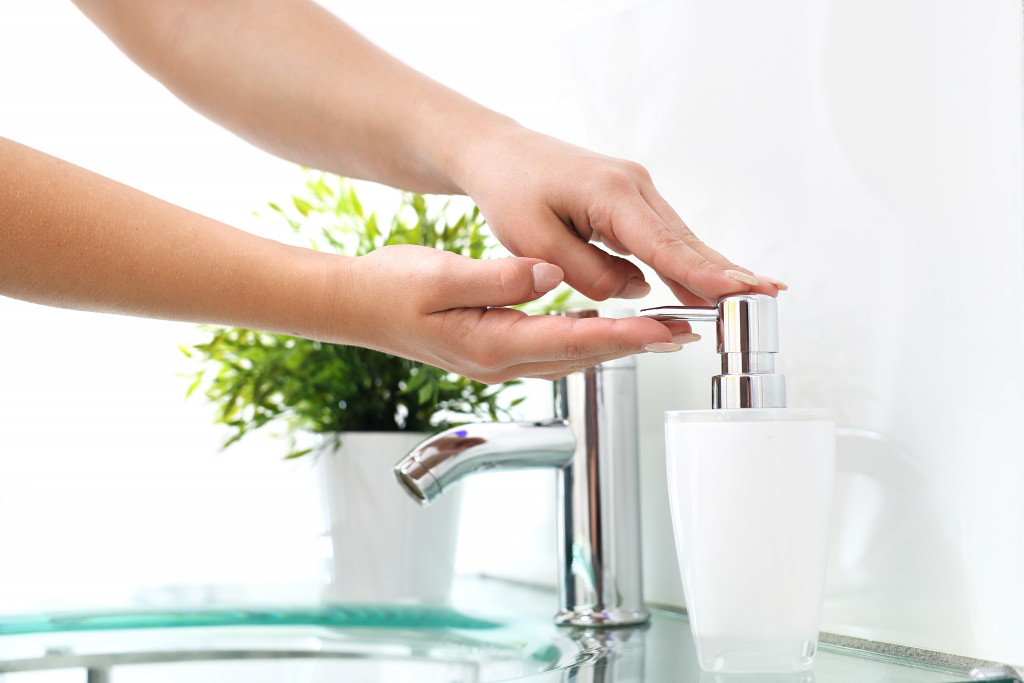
x=750, y=491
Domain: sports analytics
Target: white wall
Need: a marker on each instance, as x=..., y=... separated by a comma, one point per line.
x=868, y=153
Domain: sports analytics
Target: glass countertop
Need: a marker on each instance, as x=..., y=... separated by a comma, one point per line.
x=492, y=631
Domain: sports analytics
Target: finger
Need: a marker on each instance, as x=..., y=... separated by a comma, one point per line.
x=685, y=296
x=471, y=283
x=673, y=251
x=677, y=328
x=556, y=369
x=767, y=281
x=498, y=344
x=611, y=244
x=588, y=269
x=732, y=271
x=567, y=342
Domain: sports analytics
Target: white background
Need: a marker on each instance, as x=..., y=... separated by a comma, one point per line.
x=109, y=480
x=867, y=152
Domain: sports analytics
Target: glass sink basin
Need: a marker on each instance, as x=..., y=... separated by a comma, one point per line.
x=336, y=643
x=355, y=642
x=494, y=631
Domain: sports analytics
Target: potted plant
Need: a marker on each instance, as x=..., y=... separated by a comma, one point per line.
x=358, y=411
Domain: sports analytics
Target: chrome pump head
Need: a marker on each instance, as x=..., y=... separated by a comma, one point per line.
x=748, y=339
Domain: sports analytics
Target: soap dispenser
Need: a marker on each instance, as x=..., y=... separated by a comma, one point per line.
x=750, y=492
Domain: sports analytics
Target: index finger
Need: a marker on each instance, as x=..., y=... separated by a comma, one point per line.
x=663, y=241
x=732, y=270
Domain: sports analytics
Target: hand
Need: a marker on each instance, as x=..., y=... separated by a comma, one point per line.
x=448, y=310
x=543, y=198
x=548, y=199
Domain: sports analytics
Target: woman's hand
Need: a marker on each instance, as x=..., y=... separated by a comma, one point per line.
x=74, y=239
x=548, y=199
x=448, y=310
x=302, y=84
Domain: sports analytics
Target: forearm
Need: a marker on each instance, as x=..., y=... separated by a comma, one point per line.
x=295, y=80
x=74, y=239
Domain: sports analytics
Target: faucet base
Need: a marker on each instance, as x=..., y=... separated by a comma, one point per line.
x=608, y=618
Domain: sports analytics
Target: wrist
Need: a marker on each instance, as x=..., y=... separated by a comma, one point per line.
x=471, y=145
x=334, y=293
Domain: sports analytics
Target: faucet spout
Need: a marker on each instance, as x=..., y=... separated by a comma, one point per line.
x=591, y=445
x=447, y=457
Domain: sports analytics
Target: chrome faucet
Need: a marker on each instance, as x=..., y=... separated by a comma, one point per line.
x=591, y=443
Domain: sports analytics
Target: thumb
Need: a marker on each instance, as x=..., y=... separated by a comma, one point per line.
x=500, y=282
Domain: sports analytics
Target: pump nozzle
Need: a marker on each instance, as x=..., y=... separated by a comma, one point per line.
x=748, y=339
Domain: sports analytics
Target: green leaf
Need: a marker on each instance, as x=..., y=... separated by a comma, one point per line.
x=372, y=231
x=419, y=203
x=256, y=379
x=357, y=207
x=195, y=385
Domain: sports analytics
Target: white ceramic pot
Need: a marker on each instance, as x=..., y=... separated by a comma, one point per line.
x=384, y=546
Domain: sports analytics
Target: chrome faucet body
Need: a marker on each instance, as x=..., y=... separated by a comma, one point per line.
x=591, y=443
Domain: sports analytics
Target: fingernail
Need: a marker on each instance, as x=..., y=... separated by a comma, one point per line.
x=635, y=288
x=685, y=338
x=740, y=276
x=778, y=284
x=546, y=276
x=662, y=347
